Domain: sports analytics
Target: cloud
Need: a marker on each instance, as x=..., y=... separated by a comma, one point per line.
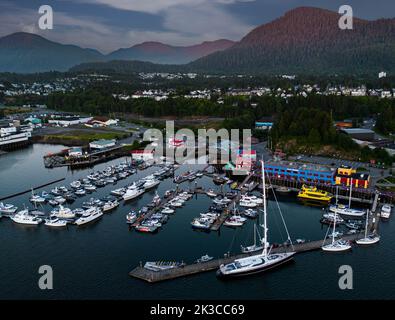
x=184, y=22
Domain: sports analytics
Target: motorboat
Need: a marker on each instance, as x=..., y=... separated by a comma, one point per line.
x=75, y=184
x=53, y=221
x=78, y=212
x=110, y=205
x=146, y=229
x=24, y=217
x=386, y=211
x=90, y=215
x=253, y=199
x=259, y=262
x=63, y=213
x=250, y=213
x=332, y=217
x=368, y=239
x=312, y=193
x=233, y=222
x=89, y=187
x=162, y=265
x=60, y=200
x=156, y=200
x=151, y=183
x=53, y=202
x=131, y=217
x=200, y=223
x=7, y=208
x=35, y=198
x=132, y=194
x=80, y=192
x=205, y=258
x=248, y=204
x=167, y=210
x=211, y=193
x=118, y=192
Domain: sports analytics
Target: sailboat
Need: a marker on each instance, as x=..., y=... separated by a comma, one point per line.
x=368, y=239
x=255, y=247
x=259, y=262
x=347, y=211
x=336, y=245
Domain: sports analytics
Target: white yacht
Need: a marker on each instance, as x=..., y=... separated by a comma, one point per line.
x=259, y=262
x=63, y=213
x=59, y=199
x=90, y=215
x=110, y=205
x=118, y=192
x=151, y=183
x=248, y=204
x=7, y=208
x=35, y=198
x=368, y=239
x=336, y=245
x=23, y=217
x=132, y=193
x=167, y=210
x=386, y=211
x=55, y=222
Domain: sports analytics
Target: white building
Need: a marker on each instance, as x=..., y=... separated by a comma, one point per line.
x=102, y=144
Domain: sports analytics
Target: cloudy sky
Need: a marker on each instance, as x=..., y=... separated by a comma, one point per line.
x=107, y=25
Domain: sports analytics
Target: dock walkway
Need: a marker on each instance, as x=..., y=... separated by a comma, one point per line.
x=152, y=277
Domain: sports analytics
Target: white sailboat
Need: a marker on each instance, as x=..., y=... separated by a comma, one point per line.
x=347, y=211
x=259, y=262
x=255, y=247
x=336, y=245
x=368, y=239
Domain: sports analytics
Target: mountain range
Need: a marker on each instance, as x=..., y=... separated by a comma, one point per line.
x=304, y=40
x=26, y=53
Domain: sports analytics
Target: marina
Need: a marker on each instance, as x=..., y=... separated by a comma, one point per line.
x=112, y=234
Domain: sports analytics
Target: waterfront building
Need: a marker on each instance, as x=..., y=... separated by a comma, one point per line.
x=144, y=155
x=102, y=144
x=347, y=175
x=301, y=172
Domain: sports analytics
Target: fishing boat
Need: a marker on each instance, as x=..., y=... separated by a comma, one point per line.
x=259, y=262
x=7, y=208
x=205, y=258
x=24, y=217
x=336, y=245
x=55, y=222
x=368, y=239
x=312, y=193
x=90, y=215
x=386, y=211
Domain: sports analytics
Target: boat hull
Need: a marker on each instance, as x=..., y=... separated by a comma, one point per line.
x=288, y=259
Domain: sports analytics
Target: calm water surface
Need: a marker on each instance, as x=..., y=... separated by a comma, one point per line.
x=93, y=262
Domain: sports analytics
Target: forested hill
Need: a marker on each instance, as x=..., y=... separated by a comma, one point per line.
x=308, y=40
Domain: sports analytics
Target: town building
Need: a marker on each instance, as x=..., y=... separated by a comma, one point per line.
x=102, y=144
x=301, y=172
x=144, y=155
x=346, y=176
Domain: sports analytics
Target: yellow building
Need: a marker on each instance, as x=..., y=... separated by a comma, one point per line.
x=346, y=175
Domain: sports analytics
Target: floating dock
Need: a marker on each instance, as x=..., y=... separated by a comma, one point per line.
x=157, y=276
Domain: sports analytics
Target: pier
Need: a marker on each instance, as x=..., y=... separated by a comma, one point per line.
x=225, y=213
x=191, y=269
x=27, y=191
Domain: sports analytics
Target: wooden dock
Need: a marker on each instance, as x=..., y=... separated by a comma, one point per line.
x=225, y=213
x=190, y=269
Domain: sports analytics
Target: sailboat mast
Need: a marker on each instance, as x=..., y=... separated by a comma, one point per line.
x=264, y=209
x=349, y=201
x=366, y=226
x=334, y=222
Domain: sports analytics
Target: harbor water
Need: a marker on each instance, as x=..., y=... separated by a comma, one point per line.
x=93, y=261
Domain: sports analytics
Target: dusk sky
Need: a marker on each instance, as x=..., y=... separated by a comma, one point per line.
x=107, y=25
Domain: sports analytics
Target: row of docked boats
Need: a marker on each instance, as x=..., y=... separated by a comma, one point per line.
x=152, y=217
x=187, y=176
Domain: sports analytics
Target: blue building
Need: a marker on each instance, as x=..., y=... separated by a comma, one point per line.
x=301, y=172
x=263, y=125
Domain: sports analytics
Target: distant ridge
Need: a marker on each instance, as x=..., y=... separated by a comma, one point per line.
x=162, y=53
